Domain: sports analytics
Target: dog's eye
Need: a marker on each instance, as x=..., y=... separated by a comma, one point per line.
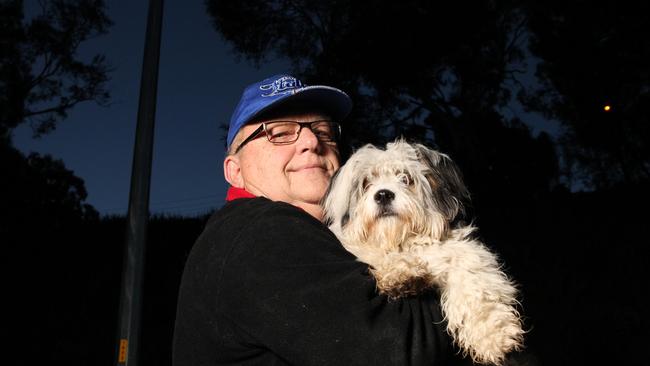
x=406, y=179
x=366, y=184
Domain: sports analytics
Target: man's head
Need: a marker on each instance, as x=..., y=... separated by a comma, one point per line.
x=270, y=155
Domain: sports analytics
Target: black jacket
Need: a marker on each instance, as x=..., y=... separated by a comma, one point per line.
x=267, y=284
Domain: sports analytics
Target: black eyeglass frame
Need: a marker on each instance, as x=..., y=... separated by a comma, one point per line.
x=263, y=127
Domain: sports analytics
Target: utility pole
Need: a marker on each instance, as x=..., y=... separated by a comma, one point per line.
x=138, y=213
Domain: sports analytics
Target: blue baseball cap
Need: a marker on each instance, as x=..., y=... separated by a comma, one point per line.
x=280, y=90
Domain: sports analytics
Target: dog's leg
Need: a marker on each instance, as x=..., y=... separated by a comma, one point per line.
x=477, y=298
x=399, y=274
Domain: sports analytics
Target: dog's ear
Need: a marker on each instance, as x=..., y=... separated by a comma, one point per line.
x=344, y=184
x=329, y=201
x=446, y=181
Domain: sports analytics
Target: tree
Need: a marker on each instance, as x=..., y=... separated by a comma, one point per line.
x=41, y=75
x=595, y=54
x=432, y=71
x=42, y=209
x=41, y=79
x=39, y=191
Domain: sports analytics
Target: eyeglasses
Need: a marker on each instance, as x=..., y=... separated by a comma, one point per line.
x=287, y=132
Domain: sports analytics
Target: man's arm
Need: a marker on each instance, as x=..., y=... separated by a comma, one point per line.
x=287, y=285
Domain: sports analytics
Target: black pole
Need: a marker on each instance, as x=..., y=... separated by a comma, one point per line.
x=138, y=214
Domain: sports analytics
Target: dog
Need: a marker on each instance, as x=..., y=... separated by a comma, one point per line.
x=396, y=210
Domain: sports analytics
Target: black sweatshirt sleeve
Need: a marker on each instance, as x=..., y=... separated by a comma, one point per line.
x=284, y=285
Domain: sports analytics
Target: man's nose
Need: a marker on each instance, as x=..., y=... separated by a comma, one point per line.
x=307, y=139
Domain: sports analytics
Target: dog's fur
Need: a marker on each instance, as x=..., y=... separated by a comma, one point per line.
x=395, y=209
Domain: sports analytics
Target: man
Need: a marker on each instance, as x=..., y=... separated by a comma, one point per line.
x=267, y=283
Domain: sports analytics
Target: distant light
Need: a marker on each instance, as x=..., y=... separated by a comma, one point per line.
x=607, y=108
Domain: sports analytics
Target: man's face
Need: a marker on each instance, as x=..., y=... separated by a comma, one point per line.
x=297, y=173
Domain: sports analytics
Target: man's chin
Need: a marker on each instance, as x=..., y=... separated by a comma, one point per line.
x=310, y=194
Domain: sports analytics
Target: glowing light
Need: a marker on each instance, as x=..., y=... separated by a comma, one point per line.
x=607, y=108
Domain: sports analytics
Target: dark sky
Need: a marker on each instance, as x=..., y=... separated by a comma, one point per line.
x=199, y=85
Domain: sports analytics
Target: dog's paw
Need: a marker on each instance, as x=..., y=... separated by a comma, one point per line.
x=487, y=331
x=400, y=275
x=503, y=334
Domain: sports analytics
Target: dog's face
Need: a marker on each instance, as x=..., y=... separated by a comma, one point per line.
x=383, y=197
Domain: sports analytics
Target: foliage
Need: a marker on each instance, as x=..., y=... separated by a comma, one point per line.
x=595, y=54
x=39, y=189
x=41, y=74
x=65, y=297
x=443, y=72
x=41, y=79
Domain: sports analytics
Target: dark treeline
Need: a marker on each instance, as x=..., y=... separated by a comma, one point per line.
x=561, y=210
x=63, y=288
x=581, y=264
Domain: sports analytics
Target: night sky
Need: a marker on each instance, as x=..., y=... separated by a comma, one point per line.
x=200, y=83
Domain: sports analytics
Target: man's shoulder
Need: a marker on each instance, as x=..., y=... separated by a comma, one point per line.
x=241, y=228
x=260, y=225
x=257, y=211
x=259, y=221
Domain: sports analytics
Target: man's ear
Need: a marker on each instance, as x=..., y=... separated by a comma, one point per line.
x=232, y=171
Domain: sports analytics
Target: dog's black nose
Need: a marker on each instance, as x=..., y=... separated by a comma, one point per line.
x=384, y=196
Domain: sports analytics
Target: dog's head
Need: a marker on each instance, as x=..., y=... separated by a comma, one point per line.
x=381, y=197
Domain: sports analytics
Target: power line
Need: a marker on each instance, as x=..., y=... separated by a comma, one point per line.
x=163, y=203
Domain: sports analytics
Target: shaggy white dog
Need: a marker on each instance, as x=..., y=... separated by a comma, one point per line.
x=395, y=209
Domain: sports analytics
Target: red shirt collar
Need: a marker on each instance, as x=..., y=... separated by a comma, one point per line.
x=235, y=193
